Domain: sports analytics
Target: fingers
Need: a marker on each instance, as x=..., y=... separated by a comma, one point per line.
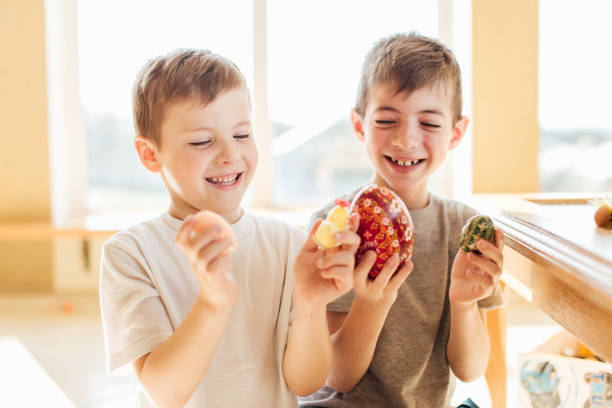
x=342, y=277
x=310, y=245
x=185, y=231
x=499, y=239
x=400, y=277
x=480, y=277
x=341, y=258
x=212, y=251
x=353, y=224
x=385, y=274
x=192, y=245
x=348, y=240
x=490, y=263
x=485, y=265
x=364, y=266
x=221, y=264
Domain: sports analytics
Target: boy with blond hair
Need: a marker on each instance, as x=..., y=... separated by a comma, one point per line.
x=398, y=342
x=207, y=317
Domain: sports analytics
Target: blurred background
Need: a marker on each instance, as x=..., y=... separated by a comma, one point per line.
x=537, y=92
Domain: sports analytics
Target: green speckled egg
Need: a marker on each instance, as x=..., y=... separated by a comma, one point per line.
x=477, y=227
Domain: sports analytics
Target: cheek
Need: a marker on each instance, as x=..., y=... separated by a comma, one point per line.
x=377, y=140
x=254, y=156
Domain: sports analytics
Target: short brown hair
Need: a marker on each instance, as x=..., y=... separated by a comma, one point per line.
x=409, y=61
x=180, y=74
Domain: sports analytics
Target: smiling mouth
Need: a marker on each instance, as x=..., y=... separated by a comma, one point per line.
x=229, y=180
x=404, y=163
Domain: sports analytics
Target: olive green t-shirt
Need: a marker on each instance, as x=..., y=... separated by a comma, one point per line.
x=409, y=367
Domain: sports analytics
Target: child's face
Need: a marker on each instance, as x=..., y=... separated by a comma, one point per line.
x=407, y=136
x=208, y=154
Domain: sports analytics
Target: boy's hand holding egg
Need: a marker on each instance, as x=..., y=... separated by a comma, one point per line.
x=207, y=240
x=385, y=226
x=478, y=263
x=337, y=220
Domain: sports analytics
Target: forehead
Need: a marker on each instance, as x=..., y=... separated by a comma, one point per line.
x=436, y=96
x=228, y=107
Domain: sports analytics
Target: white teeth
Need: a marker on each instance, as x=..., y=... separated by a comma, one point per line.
x=224, y=181
x=405, y=163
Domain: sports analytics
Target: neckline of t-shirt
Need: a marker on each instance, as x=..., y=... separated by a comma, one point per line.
x=241, y=227
x=424, y=213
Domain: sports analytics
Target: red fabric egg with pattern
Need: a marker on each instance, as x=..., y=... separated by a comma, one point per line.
x=385, y=225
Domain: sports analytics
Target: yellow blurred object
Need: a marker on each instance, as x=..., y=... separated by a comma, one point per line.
x=584, y=352
x=339, y=217
x=336, y=221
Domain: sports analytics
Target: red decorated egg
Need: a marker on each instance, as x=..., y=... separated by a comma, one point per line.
x=385, y=225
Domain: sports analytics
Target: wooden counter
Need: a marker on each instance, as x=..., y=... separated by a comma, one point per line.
x=558, y=259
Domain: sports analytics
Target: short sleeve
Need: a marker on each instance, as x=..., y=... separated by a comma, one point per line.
x=134, y=319
x=495, y=301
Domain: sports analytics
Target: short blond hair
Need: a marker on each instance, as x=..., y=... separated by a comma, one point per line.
x=178, y=75
x=409, y=62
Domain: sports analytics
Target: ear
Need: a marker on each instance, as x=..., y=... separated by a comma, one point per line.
x=458, y=131
x=357, y=124
x=147, y=153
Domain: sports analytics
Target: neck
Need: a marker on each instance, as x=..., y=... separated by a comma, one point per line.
x=182, y=213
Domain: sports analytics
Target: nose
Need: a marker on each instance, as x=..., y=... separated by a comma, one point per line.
x=227, y=152
x=407, y=137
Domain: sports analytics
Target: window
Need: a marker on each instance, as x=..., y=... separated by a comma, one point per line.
x=116, y=38
x=313, y=52
x=574, y=96
x=316, y=49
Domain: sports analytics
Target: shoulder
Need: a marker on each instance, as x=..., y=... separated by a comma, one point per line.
x=455, y=211
x=139, y=237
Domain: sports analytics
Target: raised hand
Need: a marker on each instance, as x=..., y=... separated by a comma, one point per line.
x=383, y=289
x=324, y=275
x=208, y=252
x=473, y=276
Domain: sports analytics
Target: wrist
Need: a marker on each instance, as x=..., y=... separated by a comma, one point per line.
x=464, y=307
x=302, y=309
x=214, y=306
x=381, y=302
x=380, y=305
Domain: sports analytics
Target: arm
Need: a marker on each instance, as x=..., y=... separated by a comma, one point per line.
x=320, y=277
x=173, y=370
x=468, y=344
x=358, y=331
x=473, y=277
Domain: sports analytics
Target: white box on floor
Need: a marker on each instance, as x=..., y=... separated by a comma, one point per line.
x=554, y=381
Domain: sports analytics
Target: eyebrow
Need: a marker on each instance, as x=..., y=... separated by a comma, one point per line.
x=392, y=109
x=434, y=111
x=212, y=129
x=386, y=108
x=244, y=122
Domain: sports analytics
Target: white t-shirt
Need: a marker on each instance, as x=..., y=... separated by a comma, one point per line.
x=147, y=287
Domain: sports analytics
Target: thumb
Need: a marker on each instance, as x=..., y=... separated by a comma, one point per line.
x=364, y=266
x=310, y=245
x=353, y=224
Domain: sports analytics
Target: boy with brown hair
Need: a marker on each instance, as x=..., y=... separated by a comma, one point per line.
x=207, y=313
x=398, y=342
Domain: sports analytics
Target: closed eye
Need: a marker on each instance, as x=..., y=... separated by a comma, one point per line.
x=430, y=125
x=383, y=122
x=202, y=143
x=245, y=136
